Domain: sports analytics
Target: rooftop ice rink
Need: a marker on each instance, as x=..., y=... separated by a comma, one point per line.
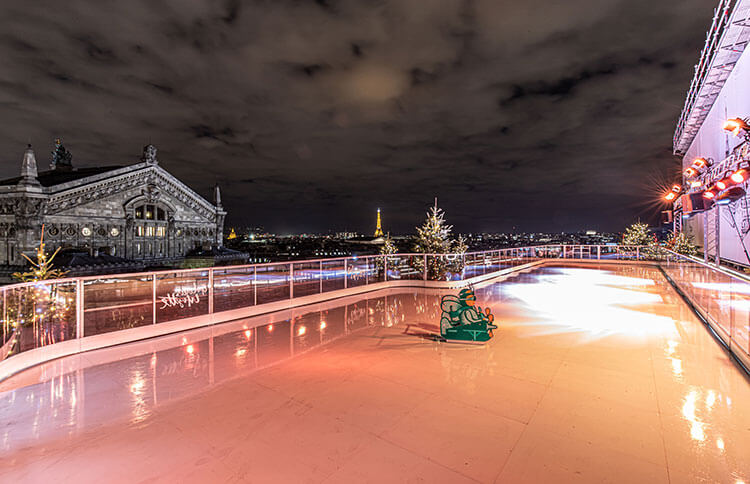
x=596, y=374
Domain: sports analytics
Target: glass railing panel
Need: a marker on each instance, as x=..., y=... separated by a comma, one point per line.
x=114, y=303
x=39, y=315
x=306, y=278
x=375, y=269
x=405, y=267
x=333, y=275
x=272, y=283
x=740, y=306
x=234, y=288
x=181, y=295
x=356, y=272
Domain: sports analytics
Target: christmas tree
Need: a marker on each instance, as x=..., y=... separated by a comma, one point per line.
x=42, y=268
x=433, y=237
x=637, y=234
x=681, y=243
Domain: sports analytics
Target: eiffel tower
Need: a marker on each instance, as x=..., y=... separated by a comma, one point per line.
x=378, y=228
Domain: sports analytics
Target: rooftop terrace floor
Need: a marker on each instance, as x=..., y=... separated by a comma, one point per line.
x=596, y=374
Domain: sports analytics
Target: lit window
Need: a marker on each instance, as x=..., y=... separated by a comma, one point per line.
x=160, y=231
x=139, y=212
x=139, y=231
x=149, y=231
x=138, y=248
x=149, y=212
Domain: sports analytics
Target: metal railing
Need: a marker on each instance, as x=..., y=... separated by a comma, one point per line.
x=44, y=313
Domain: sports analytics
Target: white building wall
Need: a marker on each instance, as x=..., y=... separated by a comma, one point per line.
x=713, y=142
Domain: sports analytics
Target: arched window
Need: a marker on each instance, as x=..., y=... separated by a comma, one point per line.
x=151, y=222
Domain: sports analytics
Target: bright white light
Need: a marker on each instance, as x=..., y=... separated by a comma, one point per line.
x=594, y=301
x=688, y=411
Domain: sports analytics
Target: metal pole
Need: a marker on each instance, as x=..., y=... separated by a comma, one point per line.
x=255, y=285
x=705, y=236
x=718, y=235
x=598, y=252
x=291, y=280
x=346, y=273
x=79, y=308
x=424, y=273
x=320, y=274
x=367, y=270
x=153, y=298
x=210, y=291
x=637, y=253
x=385, y=268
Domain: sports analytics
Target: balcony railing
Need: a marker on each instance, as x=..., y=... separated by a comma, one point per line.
x=39, y=314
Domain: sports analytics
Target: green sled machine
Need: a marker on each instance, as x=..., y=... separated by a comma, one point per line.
x=462, y=321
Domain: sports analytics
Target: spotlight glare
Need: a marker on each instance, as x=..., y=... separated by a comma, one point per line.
x=739, y=176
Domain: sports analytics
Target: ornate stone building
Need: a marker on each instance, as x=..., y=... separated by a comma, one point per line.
x=138, y=212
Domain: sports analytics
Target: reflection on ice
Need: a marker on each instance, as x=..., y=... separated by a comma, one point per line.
x=609, y=304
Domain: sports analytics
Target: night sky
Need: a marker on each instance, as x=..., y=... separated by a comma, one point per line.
x=534, y=115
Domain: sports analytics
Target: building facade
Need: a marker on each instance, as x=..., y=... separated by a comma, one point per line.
x=137, y=212
x=720, y=225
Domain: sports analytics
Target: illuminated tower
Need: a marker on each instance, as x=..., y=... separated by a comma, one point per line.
x=378, y=228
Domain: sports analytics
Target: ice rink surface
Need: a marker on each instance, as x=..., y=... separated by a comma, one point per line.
x=596, y=374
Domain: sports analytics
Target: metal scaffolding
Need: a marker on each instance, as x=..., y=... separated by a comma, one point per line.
x=725, y=42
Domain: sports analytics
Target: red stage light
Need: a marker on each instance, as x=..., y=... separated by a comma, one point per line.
x=689, y=172
x=736, y=126
x=709, y=194
x=670, y=196
x=676, y=188
x=700, y=163
x=695, y=184
x=739, y=176
x=721, y=184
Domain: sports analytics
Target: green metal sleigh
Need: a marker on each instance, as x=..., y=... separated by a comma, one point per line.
x=463, y=321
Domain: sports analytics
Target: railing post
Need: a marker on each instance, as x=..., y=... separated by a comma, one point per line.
x=153, y=298
x=424, y=272
x=385, y=268
x=79, y=308
x=320, y=276
x=367, y=270
x=291, y=280
x=346, y=273
x=255, y=285
x=210, y=291
x=638, y=252
x=598, y=252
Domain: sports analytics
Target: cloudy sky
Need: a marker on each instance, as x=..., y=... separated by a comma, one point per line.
x=550, y=115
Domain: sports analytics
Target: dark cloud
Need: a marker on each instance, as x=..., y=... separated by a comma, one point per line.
x=539, y=115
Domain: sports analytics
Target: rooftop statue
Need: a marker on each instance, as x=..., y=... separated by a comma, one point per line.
x=61, y=158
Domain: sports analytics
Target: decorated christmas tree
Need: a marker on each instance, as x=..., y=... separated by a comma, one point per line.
x=681, y=243
x=638, y=235
x=41, y=268
x=433, y=237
